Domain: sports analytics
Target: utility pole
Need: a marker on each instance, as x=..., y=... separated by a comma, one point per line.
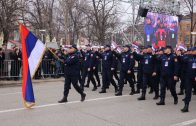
x=133, y=31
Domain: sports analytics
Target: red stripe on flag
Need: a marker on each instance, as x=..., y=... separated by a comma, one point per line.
x=23, y=33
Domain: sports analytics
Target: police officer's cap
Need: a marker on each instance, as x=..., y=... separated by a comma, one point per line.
x=189, y=49
x=74, y=46
x=161, y=49
x=192, y=49
x=107, y=46
x=149, y=46
x=127, y=46
x=88, y=45
x=168, y=47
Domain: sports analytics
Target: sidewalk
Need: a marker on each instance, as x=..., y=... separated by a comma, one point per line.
x=6, y=83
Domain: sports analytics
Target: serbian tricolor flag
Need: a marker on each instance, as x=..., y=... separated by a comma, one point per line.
x=32, y=52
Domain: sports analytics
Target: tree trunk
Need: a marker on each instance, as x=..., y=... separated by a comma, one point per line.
x=6, y=36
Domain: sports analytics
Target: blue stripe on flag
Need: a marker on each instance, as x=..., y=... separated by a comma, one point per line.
x=29, y=89
x=30, y=43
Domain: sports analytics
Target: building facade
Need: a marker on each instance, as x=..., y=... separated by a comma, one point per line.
x=184, y=35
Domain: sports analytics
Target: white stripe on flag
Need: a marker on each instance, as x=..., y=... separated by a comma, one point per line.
x=36, y=56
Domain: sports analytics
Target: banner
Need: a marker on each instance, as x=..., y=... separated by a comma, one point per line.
x=160, y=30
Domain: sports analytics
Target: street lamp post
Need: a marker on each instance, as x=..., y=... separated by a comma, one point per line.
x=42, y=31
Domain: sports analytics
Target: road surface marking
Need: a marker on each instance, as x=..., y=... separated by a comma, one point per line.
x=186, y=123
x=10, y=93
x=56, y=104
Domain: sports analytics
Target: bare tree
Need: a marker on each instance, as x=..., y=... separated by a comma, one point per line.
x=104, y=12
x=10, y=11
x=189, y=7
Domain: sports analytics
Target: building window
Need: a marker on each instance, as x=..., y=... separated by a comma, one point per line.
x=187, y=39
x=188, y=27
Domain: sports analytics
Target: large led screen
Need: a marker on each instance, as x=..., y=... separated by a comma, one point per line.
x=160, y=30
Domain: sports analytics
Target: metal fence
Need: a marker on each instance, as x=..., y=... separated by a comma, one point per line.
x=12, y=70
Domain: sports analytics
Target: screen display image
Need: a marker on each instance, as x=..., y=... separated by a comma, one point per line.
x=160, y=30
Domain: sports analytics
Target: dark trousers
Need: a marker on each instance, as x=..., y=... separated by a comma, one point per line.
x=155, y=83
x=74, y=81
x=96, y=73
x=90, y=78
x=139, y=80
x=182, y=84
x=168, y=81
x=115, y=74
x=125, y=76
x=147, y=80
x=189, y=83
x=107, y=79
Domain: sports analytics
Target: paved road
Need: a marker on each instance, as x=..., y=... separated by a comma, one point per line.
x=97, y=110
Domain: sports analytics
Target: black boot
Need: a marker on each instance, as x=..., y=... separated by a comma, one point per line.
x=87, y=86
x=83, y=96
x=156, y=96
x=186, y=108
x=94, y=89
x=99, y=85
x=132, y=92
x=142, y=97
x=116, y=89
x=181, y=92
x=64, y=100
x=161, y=102
x=119, y=93
x=102, y=91
x=151, y=91
x=138, y=91
x=175, y=101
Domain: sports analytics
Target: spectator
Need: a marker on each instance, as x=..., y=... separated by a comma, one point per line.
x=2, y=58
x=45, y=64
x=16, y=57
x=58, y=64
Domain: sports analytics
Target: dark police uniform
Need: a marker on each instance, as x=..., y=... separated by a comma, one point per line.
x=89, y=62
x=107, y=64
x=156, y=79
x=115, y=68
x=72, y=73
x=182, y=66
x=127, y=64
x=96, y=70
x=79, y=54
x=190, y=75
x=139, y=77
x=149, y=66
x=169, y=69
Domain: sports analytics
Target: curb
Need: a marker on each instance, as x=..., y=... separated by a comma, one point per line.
x=19, y=83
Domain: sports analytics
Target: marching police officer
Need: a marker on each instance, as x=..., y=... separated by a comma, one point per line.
x=190, y=77
x=89, y=66
x=149, y=70
x=72, y=73
x=107, y=65
x=115, y=68
x=96, y=69
x=183, y=68
x=127, y=64
x=169, y=74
